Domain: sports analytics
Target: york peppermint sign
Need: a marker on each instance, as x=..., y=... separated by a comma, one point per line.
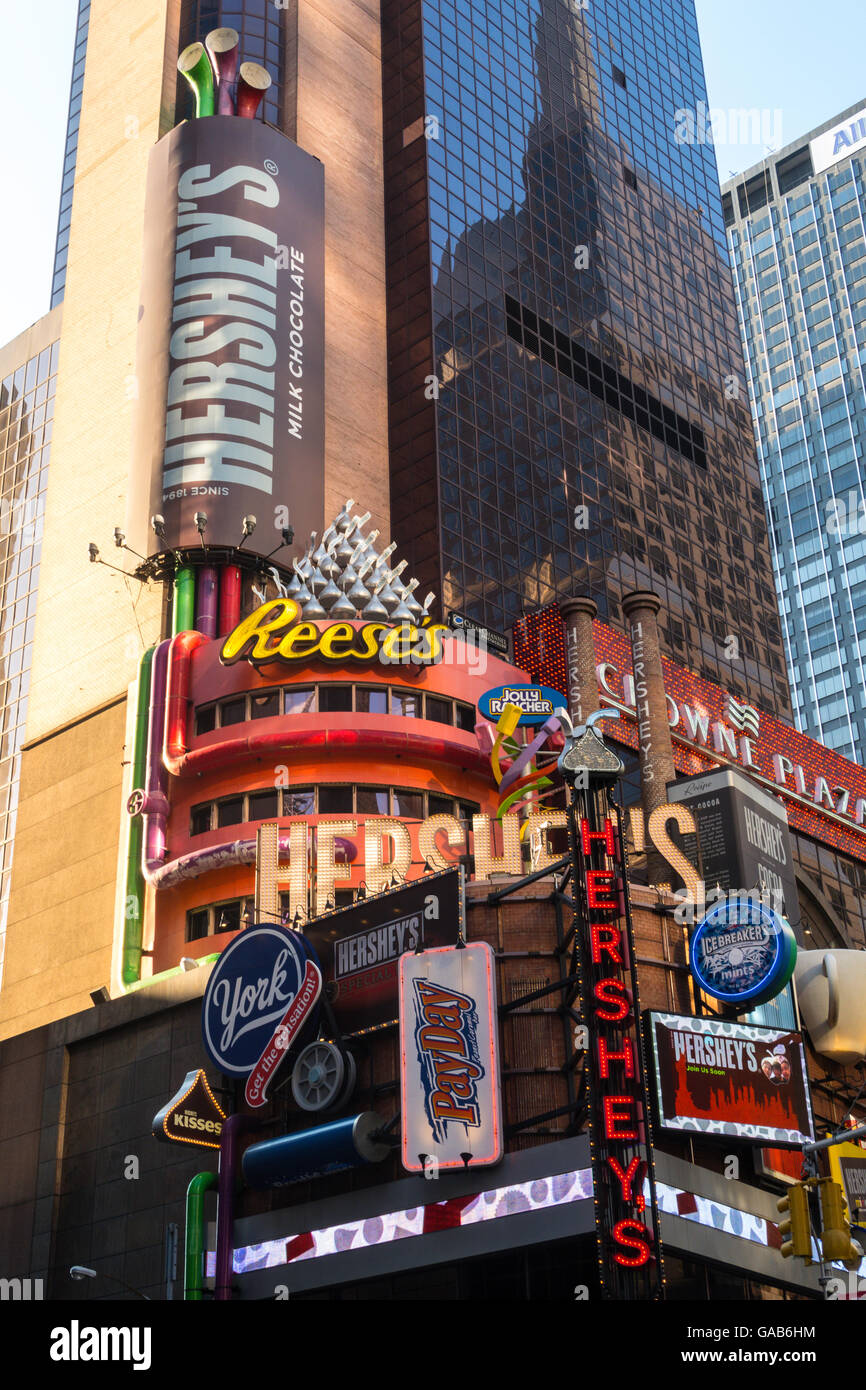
x=261, y=998
x=449, y=1059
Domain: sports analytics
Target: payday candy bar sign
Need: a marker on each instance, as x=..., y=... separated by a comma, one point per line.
x=730, y=1079
x=449, y=1059
x=262, y=997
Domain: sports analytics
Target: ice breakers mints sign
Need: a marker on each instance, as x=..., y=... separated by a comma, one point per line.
x=449, y=1059
x=535, y=702
x=743, y=953
x=262, y=993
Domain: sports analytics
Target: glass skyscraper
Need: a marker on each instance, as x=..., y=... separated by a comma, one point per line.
x=798, y=245
x=28, y=377
x=562, y=329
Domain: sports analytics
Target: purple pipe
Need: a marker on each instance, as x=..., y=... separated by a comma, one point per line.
x=232, y=1129
x=207, y=601
x=205, y=861
x=155, y=811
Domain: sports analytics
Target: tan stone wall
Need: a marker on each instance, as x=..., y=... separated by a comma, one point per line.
x=59, y=937
x=339, y=104
x=92, y=624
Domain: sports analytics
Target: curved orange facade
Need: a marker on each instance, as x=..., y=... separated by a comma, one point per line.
x=401, y=746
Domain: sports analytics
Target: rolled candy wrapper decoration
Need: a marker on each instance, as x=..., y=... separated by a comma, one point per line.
x=253, y=82
x=194, y=65
x=223, y=48
x=308, y=1153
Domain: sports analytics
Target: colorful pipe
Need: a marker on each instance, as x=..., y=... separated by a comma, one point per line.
x=174, y=746
x=193, y=1265
x=207, y=601
x=155, y=809
x=230, y=599
x=183, y=608
x=222, y=46
x=194, y=65
x=169, y=974
x=234, y=1126
x=253, y=82
x=133, y=898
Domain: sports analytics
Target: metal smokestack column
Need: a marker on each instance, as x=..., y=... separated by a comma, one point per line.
x=654, y=734
x=578, y=613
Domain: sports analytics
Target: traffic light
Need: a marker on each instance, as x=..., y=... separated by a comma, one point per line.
x=797, y=1230
x=836, y=1242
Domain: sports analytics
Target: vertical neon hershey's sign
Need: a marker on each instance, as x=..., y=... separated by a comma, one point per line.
x=627, y=1229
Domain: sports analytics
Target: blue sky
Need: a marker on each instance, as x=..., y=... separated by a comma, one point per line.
x=802, y=60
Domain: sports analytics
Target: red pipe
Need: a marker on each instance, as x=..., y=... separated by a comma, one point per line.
x=253, y=82
x=177, y=697
x=230, y=599
x=181, y=761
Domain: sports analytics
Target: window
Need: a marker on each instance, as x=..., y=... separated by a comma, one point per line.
x=218, y=917
x=200, y=819
x=265, y=706
x=227, y=916
x=197, y=924
x=233, y=712
x=230, y=812
x=205, y=719
x=405, y=702
x=335, y=699
x=467, y=809
x=465, y=717
x=335, y=801
x=299, y=701
x=299, y=801
x=371, y=701
x=618, y=75
x=408, y=804
x=437, y=710
x=373, y=801
x=264, y=805
x=439, y=805
x=629, y=177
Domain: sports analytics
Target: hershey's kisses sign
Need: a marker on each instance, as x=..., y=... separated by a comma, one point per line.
x=192, y=1116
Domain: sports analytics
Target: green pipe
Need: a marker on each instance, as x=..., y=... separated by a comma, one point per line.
x=168, y=974
x=183, y=609
x=133, y=901
x=193, y=1273
x=195, y=65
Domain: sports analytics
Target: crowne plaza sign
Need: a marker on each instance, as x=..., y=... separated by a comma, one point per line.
x=824, y=793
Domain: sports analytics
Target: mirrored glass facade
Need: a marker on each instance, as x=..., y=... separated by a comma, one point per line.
x=798, y=248
x=562, y=330
x=70, y=153
x=26, y=419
